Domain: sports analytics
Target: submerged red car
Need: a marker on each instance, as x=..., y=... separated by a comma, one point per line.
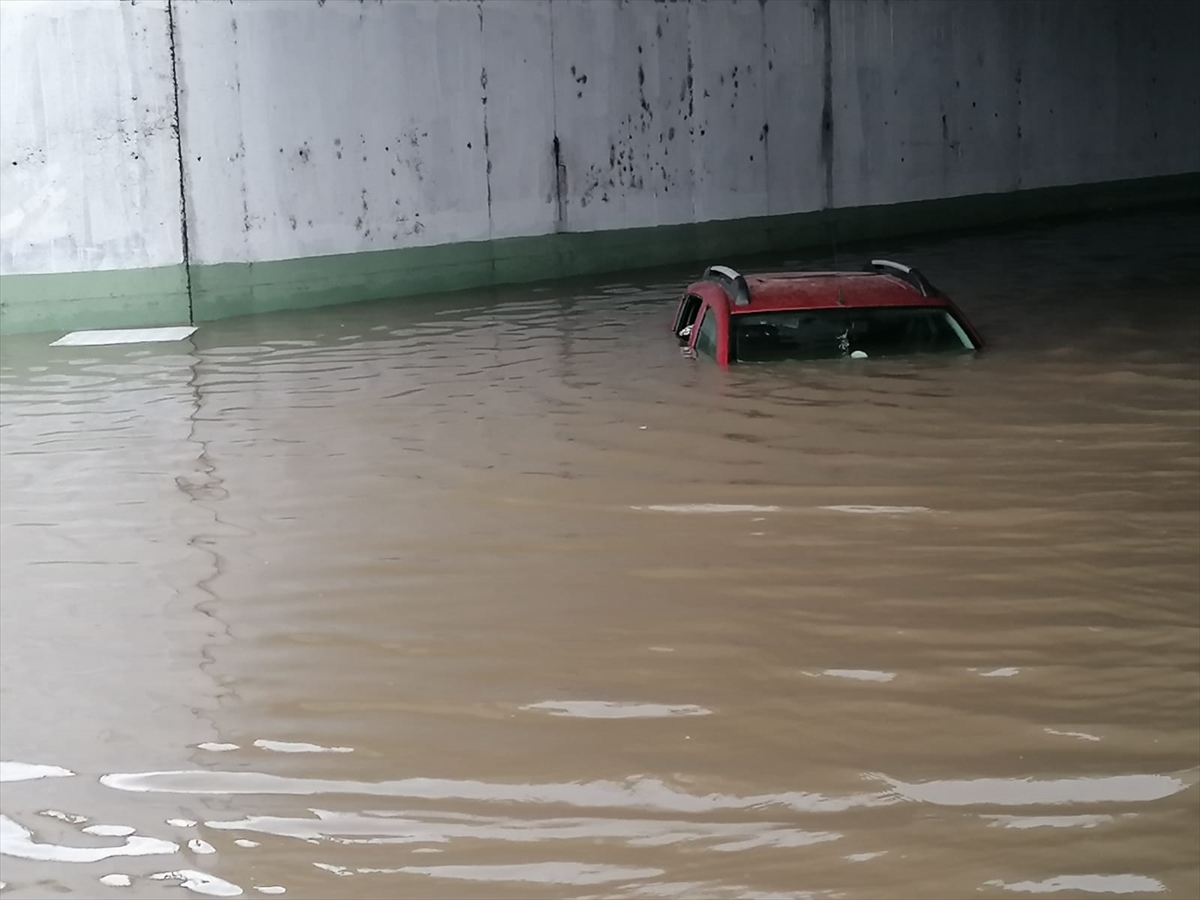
x=887, y=309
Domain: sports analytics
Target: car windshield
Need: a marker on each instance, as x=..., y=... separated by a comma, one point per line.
x=853, y=332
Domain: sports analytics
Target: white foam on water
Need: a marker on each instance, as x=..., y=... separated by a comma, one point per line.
x=707, y=508
x=1032, y=792
x=1007, y=672
x=69, y=818
x=1092, y=884
x=201, y=883
x=110, y=830
x=604, y=709
x=299, y=747
x=632, y=793
x=859, y=674
x=19, y=771
x=1025, y=822
x=124, y=336
x=116, y=880
x=1082, y=735
x=869, y=509
x=214, y=747
x=539, y=873
x=17, y=841
x=864, y=857
x=336, y=870
x=425, y=836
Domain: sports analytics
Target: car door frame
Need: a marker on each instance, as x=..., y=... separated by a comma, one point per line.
x=714, y=300
x=681, y=319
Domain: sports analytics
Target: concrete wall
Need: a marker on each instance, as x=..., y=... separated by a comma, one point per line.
x=89, y=177
x=312, y=128
x=341, y=127
x=330, y=128
x=943, y=99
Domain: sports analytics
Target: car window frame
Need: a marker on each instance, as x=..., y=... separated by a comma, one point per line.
x=690, y=303
x=706, y=309
x=957, y=322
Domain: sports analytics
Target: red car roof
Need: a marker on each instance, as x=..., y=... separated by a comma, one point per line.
x=824, y=290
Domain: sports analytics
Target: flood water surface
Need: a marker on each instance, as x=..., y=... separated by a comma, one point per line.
x=503, y=598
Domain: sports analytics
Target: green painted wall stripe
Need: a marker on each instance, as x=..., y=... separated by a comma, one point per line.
x=62, y=302
x=110, y=298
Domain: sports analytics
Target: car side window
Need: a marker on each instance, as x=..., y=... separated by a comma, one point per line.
x=687, y=317
x=706, y=337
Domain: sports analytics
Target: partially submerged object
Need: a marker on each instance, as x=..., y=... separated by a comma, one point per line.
x=887, y=309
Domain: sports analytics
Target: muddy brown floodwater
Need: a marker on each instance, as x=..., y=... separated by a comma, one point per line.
x=500, y=597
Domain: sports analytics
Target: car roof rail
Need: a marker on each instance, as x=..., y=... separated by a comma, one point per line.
x=907, y=273
x=733, y=281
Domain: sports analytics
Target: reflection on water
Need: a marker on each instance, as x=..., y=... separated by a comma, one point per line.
x=500, y=597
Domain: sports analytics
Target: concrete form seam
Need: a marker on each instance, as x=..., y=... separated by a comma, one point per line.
x=766, y=94
x=827, y=115
x=487, y=143
x=177, y=124
x=555, y=146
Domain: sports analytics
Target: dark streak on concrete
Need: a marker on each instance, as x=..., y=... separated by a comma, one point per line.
x=824, y=13
x=1020, y=167
x=560, y=185
x=690, y=96
x=487, y=139
x=559, y=173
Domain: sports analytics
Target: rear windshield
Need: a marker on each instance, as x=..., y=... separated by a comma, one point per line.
x=856, y=332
